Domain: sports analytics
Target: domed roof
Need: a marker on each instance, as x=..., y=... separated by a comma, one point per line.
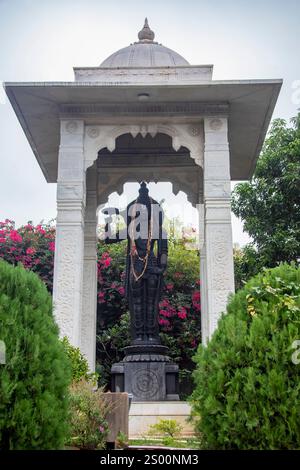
x=144, y=53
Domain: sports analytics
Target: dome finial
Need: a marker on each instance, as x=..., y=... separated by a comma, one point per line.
x=146, y=34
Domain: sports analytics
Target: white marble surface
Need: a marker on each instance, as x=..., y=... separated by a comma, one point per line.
x=143, y=414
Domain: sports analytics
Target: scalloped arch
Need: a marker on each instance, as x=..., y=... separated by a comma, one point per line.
x=98, y=137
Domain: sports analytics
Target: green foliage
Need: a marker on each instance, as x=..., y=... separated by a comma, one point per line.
x=191, y=443
x=35, y=378
x=79, y=364
x=122, y=441
x=110, y=343
x=269, y=204
x=87, y=414
x=166, y=427
x=185, y=262
x=247, y=393
x=247, y=263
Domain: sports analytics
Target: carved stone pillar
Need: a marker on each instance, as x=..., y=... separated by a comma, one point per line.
x=68, y=262
x=89, y=295
x=217, y=256
x=203, y=289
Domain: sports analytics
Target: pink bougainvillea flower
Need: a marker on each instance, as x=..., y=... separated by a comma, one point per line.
x=51, y=246
x=15, y=236
x=101, y=429
x=30, y=251
x=163, y=322
x=196, y=300
x=2, y=240
x=107, y=262
x=101, y=296
x=165, y=313
x=121, y=290
x=196, y=296
x=40, y=229
x=182, y=313
x=169, y=286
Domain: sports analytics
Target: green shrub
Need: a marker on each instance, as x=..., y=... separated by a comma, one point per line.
x=247, y=393
x=35, y=378
x=79, y=364
x=122, y=441
x=87, y=413
x=168, y=429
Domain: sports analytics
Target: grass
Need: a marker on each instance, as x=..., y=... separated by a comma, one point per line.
x=189, y=443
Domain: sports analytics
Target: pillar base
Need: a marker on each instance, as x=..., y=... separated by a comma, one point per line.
x=147, y=374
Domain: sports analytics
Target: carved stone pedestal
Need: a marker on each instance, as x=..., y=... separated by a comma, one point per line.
x=147, y=373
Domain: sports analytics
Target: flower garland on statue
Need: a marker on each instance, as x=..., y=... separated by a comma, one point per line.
x=133, y=250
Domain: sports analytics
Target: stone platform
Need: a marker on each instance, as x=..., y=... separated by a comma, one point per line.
x=146, y=373
x=143, y=414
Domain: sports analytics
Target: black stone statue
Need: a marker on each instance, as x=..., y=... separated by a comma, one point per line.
x=144, y=267
x=146, y=370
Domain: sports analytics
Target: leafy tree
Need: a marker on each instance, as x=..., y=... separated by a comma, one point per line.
x=247, y=393
x=269, y=204
x=247, y=263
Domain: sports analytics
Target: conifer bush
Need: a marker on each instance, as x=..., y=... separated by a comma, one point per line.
x=247, y=393
x=36, y=374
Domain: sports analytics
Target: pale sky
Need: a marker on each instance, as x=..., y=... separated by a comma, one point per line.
x=43, y=40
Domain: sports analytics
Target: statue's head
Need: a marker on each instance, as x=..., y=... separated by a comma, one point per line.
x=143, y=197
x=151, y=205
x=143, y=193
